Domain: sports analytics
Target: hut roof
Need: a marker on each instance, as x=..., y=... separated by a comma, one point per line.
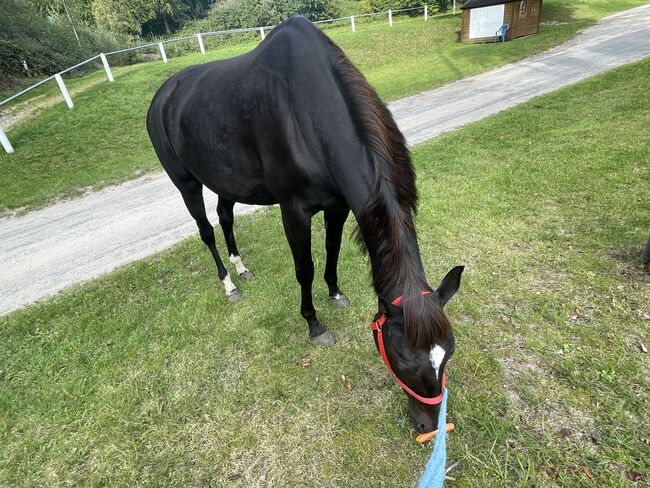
x=483, y=3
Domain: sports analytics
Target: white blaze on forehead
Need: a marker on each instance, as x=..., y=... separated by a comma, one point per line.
x=436, y=356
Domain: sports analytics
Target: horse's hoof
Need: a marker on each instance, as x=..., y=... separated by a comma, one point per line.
x=339, y=300
x=235, y=296
x=246, y=275
x=326, y=339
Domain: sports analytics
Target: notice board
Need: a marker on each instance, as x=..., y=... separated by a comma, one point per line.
x=485, y=21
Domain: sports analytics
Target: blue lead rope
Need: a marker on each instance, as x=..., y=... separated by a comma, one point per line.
x=434, y=473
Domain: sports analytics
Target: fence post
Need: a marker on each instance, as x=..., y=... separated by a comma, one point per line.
x=390, y=17
x=64, y=90
x=426, y=12
x=262, y=35
x=201, y=46
x=107, y=68
x=5, y=142
x=354, y=27
x=453, y=11
x=163, y=55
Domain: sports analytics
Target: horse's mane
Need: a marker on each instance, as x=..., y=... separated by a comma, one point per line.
x=386, y=221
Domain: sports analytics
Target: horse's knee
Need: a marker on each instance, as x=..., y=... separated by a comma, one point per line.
x=207, y=236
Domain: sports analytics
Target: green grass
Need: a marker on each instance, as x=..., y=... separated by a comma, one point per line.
x=148, y=377
x=103, y=139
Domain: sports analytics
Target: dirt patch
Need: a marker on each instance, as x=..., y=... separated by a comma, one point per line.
x=554, y=416
x=629, y=263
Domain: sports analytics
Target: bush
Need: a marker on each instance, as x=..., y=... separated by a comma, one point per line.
x=236, y=14
x=47, y=46
x=384, y=5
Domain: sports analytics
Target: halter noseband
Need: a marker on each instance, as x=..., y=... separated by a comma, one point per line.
x=377, y=326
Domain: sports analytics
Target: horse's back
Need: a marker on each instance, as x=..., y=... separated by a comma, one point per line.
x=252, y=128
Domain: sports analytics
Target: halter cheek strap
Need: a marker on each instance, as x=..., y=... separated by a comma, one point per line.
x=377, y=326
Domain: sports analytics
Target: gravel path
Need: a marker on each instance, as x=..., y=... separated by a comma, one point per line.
x=47, y=250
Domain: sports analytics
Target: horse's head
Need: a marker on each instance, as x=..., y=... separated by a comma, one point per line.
x=418, y=342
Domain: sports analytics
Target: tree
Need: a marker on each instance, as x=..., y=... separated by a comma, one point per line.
x=121, y=16
x=384, y=5
x=146, y=16
x=80, y=10
x=234, y=14
x=31, y=44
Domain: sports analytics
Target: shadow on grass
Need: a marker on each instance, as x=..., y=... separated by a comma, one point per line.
x=629, y=260
x=447, y=61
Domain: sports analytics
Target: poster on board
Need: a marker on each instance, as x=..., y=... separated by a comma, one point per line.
x=485, y=21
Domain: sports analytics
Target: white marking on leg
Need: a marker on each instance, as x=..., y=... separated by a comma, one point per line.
x=436, y=356
x=239, y=265
x=229, y=285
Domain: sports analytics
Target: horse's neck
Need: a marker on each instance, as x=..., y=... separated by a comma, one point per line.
x=390, y=237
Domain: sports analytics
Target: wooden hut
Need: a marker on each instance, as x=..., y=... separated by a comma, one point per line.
x=482, y=18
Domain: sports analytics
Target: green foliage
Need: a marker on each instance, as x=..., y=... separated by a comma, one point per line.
x=147, y=17
x=252, y=13
x=46, y=45
x=351, y=7
x=384, y=5
x=132, y=16
x=78, y=9
x=121, y=15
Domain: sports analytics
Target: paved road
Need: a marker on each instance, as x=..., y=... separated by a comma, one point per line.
x=47, y=250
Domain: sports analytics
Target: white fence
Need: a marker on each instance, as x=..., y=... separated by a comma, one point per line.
x=199, y=38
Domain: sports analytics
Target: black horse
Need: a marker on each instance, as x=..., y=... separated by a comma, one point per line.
x=293, y=122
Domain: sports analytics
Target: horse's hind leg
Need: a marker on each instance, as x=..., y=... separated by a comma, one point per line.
x=192, y=192
x=226, y=219
x=334, y=222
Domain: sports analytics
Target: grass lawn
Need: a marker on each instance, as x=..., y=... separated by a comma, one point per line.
x=103, y=140
x=147, y=376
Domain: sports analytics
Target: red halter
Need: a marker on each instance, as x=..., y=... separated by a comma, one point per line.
x=377, y=326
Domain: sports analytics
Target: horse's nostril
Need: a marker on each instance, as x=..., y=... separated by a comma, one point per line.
x=421, y=428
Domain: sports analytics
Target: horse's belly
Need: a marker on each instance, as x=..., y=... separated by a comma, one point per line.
x=238, y=188
x=250, y=196
x=236, y=177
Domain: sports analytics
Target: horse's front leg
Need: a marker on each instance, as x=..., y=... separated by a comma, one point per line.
x=297, y=227
x=334, y=222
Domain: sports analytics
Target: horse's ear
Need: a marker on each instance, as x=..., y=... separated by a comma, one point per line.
x=450, y=284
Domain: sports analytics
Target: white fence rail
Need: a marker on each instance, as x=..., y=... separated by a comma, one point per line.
x=103, y=57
